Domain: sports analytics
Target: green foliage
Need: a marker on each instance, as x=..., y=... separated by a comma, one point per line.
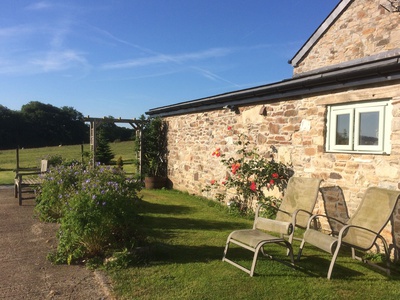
x=250, y=175
x=47, y=125
x=54, y=160
x=96, y=209
x=40, y=125
x=59, y=183
x=120, y=162
x=114, y=133
x=154, y=147
x=104, y=154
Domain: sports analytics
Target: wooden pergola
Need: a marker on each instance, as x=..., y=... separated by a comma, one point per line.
x=96, y=122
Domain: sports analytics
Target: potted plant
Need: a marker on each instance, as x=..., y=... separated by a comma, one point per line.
x=154, y=148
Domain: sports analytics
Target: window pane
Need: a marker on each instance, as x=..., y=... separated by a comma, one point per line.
x=369, y=128
x=342, y=129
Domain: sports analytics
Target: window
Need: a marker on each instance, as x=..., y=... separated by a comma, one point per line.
x=362, y=127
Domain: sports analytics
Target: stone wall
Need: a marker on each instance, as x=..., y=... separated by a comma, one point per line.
x=364, y=29
x=296, y=128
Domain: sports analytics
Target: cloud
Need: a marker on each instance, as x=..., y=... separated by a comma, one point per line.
x=42, y=5
x=214, y=77
x=165, y=58
x=14, y=31
x=45, y=62
x=59, y=60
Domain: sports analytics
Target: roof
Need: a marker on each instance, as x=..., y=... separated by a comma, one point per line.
x=313, y=39
x=381, y=68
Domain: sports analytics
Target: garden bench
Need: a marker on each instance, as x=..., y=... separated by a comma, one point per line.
x=28, y=178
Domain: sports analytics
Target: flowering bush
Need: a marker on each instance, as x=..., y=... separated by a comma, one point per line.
x=249, y=175
x=96, y=209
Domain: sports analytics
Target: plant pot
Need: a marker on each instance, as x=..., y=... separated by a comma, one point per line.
x=155, y=182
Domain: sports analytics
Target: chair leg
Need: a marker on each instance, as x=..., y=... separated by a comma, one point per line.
x=335, y=254
x=226, y=248
x=300, y=250
x=20, y=194
x=253, y=265
x=290, y=242
x=387, y=255
x=353, y=253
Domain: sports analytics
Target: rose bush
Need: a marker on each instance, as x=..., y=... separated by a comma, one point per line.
x=249, y=175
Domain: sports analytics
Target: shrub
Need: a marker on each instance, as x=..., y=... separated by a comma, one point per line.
x=104, y=154
x=249, y=175
x=59, y=183
x=96, y=209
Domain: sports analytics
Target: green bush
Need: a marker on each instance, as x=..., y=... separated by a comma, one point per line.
x=59, y=183
x=249, y=175
x=96, y=209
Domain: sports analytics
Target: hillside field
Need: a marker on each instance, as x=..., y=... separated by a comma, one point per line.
x=30, y=158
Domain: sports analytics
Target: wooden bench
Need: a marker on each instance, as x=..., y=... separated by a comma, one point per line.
x=27, y=178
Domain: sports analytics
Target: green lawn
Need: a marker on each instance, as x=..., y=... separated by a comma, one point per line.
x=187, y=237
x=30, y=158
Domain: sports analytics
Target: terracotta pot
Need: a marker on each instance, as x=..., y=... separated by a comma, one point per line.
x=155, y=182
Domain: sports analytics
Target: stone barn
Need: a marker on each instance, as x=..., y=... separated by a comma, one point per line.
x=337, y=118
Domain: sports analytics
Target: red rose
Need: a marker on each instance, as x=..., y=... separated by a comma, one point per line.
x=253, y=186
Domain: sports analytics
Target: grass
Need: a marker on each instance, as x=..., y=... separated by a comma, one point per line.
x=187, y=236
x=30, y=157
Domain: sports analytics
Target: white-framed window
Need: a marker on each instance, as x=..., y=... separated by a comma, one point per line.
x=362, y=127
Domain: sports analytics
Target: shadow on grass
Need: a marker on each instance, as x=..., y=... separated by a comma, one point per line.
x=317, y=266
x=171, y=223
x=183, y=254
x=153, y=208
x=165, y=228
x=345, y=267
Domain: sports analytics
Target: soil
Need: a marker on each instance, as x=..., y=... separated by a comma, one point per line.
x=25, y=273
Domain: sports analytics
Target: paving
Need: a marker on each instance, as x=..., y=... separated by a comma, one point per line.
x=25, y=273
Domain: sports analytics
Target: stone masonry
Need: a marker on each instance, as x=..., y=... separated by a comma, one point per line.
x=365, y=28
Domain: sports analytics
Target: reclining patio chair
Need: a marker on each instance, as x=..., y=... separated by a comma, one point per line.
x=295, y=210
x=362, y=229
x=335, y=207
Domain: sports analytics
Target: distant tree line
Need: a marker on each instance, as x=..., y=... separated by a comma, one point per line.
x=40, y=125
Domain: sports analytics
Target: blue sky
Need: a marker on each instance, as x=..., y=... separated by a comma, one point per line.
x=124, y=57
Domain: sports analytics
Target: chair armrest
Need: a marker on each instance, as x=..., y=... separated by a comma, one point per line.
x=19, y=175
x=28, y=173
x=19, y=170
x=344, y=231
x=315, y=216
x=296, y=212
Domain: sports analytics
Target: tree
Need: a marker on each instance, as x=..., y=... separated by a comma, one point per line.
x=10, y=123
x=47, y=125
x=104, y=154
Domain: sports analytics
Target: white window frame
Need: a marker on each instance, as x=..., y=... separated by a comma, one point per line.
x=384, y=109
x=334, y=114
